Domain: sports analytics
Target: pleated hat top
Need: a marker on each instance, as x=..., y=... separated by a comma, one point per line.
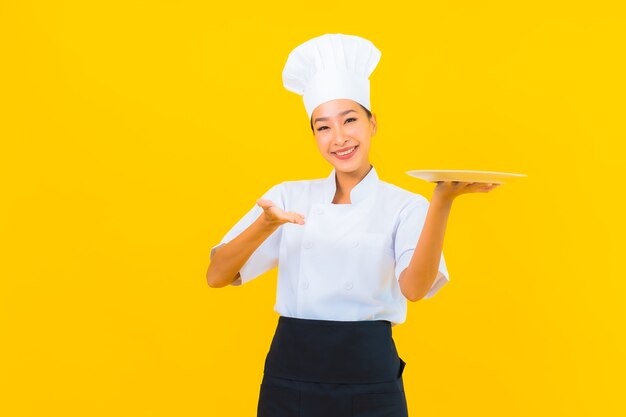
x=330, y=67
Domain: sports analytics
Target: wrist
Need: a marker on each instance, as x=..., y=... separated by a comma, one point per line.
x=441, y=201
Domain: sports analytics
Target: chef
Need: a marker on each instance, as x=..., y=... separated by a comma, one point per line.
x=350, y=248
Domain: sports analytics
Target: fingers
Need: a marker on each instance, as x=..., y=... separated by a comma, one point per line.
x=455, y=183
x=264, y=204
x=485, y=187
x=461, y=187
x=289, y=216
x=296, y=218
x=464, y=184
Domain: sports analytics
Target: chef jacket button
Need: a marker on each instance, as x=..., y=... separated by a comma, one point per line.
x=348, y=285
x=305, y=284
x=355, y=243
x=308, y=244
x=319, y=211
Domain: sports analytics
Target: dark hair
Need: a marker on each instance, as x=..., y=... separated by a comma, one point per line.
x=369, y=116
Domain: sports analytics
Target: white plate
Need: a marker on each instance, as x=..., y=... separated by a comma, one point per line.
x=434, y=175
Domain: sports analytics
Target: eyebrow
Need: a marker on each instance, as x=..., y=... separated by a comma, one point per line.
x=319, y=119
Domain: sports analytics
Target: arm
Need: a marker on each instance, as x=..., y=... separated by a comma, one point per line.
x=417, y=279
x=228, y=259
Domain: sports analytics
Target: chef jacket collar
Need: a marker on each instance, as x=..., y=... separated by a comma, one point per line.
x=365, y=188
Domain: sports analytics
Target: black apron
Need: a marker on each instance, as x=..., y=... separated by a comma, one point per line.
x=327, y=368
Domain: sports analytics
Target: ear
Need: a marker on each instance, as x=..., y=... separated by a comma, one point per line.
x=373, y=124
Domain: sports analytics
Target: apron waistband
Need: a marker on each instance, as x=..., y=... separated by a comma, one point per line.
x=331, y=351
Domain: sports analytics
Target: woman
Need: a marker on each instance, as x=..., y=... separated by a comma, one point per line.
x=347, y=267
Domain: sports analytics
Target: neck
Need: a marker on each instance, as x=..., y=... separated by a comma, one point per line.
x=346, y=181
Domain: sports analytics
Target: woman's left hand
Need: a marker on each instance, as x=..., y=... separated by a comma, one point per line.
x=449, y=190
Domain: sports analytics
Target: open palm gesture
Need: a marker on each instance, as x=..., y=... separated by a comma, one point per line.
x=275, y=215
x=451, y=189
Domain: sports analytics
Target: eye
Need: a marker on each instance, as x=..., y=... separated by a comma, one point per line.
x=350, y=118
x=321, y=128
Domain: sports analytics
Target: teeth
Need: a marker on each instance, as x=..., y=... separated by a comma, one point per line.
x=346, y=152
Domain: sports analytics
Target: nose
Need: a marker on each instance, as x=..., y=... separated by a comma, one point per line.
x=340, y=138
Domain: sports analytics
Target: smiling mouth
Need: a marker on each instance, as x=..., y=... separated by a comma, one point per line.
x=348, y=152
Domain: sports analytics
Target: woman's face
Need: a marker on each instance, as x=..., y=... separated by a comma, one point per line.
x=340, y=125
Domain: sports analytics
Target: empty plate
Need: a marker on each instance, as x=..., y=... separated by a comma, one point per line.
x=435, y=175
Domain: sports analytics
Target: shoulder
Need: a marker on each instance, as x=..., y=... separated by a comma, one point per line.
x=399, y=196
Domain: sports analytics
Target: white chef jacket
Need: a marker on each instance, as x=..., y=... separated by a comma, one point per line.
x=345, y=261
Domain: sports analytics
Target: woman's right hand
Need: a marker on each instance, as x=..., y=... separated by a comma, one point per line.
x=276, y=216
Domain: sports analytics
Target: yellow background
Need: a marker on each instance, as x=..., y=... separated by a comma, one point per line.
x=134, y=134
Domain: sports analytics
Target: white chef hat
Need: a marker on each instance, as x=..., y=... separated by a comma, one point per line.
x=329, y=67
